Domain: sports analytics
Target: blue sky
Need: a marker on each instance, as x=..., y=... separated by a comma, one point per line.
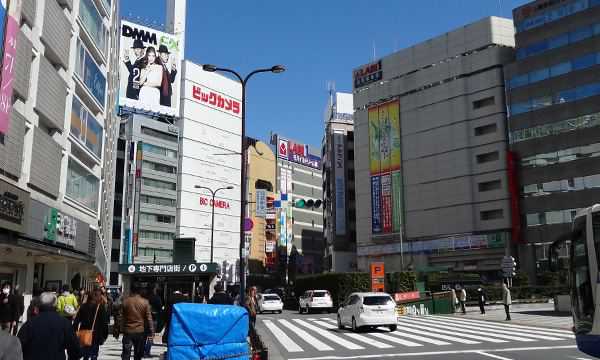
x=317, y=41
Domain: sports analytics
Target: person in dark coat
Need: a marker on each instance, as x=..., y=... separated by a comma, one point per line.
x=135, y=70
x=8, y=308
x=177, y=298
x=10, y=347
x=48, y=335
x=85, y=319
x=20, y=299
x=481, y=299
x=34, y=306
x=166, y=87
x=220, y=296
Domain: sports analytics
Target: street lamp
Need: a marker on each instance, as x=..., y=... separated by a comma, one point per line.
x=277, y=69
x=212, y=227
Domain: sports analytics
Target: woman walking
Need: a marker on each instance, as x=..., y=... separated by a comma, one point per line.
x=92, y=316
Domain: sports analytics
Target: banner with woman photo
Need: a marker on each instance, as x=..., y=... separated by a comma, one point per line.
x=149, y=69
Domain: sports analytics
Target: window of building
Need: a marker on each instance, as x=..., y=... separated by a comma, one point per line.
x=534, y=219
x=584, y=61
x=85, y=128
x=159, y=150
x=488, y=157
x=159, y=184
x=165, y=219
x=486, y=129
x=488, y=101
x=580, y=34
x=490, y=185
x=89, y=73
x=156, y=235
x=92, y=23
x=82, y=185
x=159, y=167
x=491, y=214
x=146, y=199
x=159, y=134
x=560, y=69
x=539, y=75
x=151, y=252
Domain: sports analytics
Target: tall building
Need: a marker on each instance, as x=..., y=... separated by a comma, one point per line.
x=261, y=195
x=553, y=92
x=339, y=203
x=430, y=153
x=300, y=185
x=57, y=155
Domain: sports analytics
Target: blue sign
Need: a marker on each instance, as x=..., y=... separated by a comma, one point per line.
x=87, y=70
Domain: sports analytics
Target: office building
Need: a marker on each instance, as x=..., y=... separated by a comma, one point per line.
x=300, y=227
x=430, y=153
x=553, y=92
x=57, y=155
x=339, y=203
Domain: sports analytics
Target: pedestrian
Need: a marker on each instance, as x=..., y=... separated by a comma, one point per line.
x=454, y=299
x=481, y=299
x=10, y=347
x=34, y=305
x=135, y=315
x=67, y=304
x=83, y=297
x=155, y=308
x=8, y=308
x=251, y=306
x=20, y=300
x=176, y=298
x=506, y=299
x=48, y=335
x=462, y=298
x=92, y=316
x=220, y=296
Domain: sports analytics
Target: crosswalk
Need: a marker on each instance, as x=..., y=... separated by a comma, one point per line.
x=322, y=334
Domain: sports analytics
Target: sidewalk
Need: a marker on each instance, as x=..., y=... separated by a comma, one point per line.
x=542, y=315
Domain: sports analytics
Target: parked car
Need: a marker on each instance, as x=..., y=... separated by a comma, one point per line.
x=368, y=310
x=269, y=302
x=315, y=300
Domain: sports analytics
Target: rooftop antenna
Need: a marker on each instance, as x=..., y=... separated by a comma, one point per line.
x=374, y=51
x=500, y=7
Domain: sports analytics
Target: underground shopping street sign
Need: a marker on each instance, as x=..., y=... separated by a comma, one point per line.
x=166, y=269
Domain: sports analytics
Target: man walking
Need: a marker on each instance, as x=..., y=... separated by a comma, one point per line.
x=134, y=316
x=48, y=335
x=462, y=299
x=506, y=299
x=220, y=296
x=481, y=299
x=67, y=305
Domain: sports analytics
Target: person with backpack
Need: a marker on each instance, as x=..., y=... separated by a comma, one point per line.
x=67, y=305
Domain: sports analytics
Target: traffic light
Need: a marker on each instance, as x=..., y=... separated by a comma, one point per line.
x=308, y=203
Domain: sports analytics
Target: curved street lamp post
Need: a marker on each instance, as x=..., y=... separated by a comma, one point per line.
x=243, y=80
x=212, y=204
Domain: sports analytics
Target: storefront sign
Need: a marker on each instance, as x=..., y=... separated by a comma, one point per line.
x=60, y=228
x=216, y=100
x=412, y=295
x=377, y=277
x=261, y=203
x=219, y=204
x=270, y=246
x=298, y=153
x=367, y=74
x=14, y=204
x=154, y=269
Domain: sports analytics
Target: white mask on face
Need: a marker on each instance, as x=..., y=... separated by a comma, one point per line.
x=6, y=291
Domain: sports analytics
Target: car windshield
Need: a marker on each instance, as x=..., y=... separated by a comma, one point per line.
x=377, y=300
x=320, y=294
x=271, y=297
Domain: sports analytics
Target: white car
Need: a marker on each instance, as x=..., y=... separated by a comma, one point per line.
x=315, y=300
x=269, y=302
x=368, y=310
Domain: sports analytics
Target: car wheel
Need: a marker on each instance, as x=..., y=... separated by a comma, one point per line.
x=354, y=327
x=393, y=328
x=340, y=325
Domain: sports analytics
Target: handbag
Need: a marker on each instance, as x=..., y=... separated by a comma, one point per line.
x=86, y=336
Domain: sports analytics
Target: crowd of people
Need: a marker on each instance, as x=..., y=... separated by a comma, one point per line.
x=75, y=325
x=459, y=299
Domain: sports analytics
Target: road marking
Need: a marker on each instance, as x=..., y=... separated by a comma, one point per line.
x=541, y=331
x=395, y=340
x=452, y=332
x=509, y=325
x=314, y=342
x=369, y=341
x=402, y=327
x=330, y=320
x=329, y=336
x=283, y=339
x=492, y=355
x=497, y=329
x=419, y=338
x=447, y=352
x=466, y=330
x=311, y=319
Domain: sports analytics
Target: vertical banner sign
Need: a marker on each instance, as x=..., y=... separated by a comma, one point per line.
x=282, y=228
x=288, y=176
x=375, y=169
x=377, y=277
x=283, y=181
x=340, y=185
x=396, y=164
x=384, y=139
x=261, y=203
x=137, y=190
x=9, y=53
x=397, y=201
x=386, y=202
x=376, y=203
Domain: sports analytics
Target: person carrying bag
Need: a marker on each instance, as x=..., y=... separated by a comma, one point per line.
x=91, y=324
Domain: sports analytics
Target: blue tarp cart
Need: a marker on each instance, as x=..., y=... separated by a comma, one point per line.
x=203, y=331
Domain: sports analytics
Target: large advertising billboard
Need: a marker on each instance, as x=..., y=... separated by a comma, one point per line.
x=340, y=183
x=8, y=36
x=149, y=70
x=298, y=153
x=385, y=162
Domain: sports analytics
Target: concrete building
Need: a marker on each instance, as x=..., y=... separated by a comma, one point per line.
x=339, y=210
x=261, y=195
x=553, y=125
x=58, y=155
x=300, y=228
x=430, y=145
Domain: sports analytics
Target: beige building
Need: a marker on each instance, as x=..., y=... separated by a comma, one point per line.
x=261, y=176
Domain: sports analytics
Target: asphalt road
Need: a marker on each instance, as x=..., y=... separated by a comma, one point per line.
x=315, y=336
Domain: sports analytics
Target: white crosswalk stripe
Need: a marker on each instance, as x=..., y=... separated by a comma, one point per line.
x=321, y=333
